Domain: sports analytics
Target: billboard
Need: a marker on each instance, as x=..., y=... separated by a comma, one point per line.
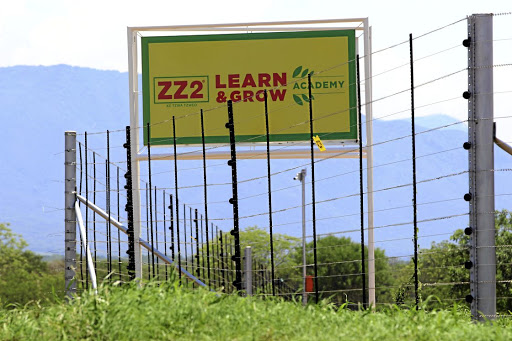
x=183, y=74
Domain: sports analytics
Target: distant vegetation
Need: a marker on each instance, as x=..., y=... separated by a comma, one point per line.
x=25, y=277
x=441, y=267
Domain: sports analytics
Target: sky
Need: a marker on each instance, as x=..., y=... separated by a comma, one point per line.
x=93, y=34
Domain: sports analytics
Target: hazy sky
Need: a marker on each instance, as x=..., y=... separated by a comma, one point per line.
x=93, y=33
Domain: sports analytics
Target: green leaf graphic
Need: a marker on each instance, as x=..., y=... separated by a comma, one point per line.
x=312, y=97
x=305, y=72
x=297, y=99
x=311, y=73
x=305, y=98
x=297, y=71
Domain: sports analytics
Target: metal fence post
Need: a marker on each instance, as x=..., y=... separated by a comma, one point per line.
x=234, y=200
x=482, y=262
x=129, y=207
x=248, y=270
x=70, y=214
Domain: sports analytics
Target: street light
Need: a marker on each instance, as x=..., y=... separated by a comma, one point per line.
x=301, y=176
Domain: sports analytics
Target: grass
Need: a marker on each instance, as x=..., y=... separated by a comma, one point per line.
x=169, y=312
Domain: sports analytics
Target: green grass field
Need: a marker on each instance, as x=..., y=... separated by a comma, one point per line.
x=168, y=312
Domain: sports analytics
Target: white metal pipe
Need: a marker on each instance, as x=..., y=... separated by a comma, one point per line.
x=143, y=243
x=348, y=153
x=85, y=242
x=369, y=158
x=503, y=145
x=134, y=129
x=276, y=23
x=269, y=29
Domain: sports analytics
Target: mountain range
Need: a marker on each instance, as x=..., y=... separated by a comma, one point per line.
x=39, y=104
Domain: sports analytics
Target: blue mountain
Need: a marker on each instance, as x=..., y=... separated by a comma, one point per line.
x=40, y=103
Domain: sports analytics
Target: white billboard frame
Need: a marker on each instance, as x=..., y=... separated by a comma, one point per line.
x=359, y=24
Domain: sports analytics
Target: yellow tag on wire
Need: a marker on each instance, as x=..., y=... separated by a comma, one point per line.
x=319, y=143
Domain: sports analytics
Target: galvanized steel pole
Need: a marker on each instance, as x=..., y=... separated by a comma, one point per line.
x=302, y=178
x=70, y=214
x=481, y=166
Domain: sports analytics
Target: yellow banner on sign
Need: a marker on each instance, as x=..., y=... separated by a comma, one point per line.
x=185, y=74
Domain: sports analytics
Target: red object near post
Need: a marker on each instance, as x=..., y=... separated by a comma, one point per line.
x=309, y=284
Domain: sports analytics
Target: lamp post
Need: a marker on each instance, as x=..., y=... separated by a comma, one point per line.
x=301, y=176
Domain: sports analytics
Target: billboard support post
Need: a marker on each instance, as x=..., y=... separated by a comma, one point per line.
x=369, y=157
x=134, y=127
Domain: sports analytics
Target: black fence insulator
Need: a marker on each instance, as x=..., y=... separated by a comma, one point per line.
x=313, y=201
x=129, y=207
x=234, y=200
x=361, y=190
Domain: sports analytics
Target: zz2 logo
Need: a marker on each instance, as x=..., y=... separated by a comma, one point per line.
x=181, y=89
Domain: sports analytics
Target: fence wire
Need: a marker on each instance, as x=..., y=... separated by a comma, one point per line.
x=417, y=225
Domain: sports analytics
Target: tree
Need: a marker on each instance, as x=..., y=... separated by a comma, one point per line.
x=259, y=240
x=339, y=269
x=221, y=252
x=442, y=272
x=24, y=276
x=285, y=265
